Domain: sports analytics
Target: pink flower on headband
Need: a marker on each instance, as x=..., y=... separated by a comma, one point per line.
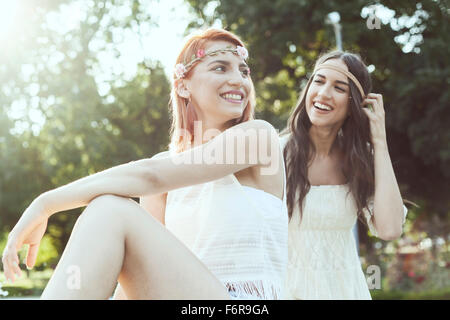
x=180, y=70
x=200, y=53
x=242, y=52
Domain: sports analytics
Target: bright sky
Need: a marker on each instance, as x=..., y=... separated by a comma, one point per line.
x=6, y=18
x=160, y=42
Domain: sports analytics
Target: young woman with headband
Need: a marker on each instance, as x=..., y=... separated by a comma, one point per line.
x=217, y=227
x=338, y=170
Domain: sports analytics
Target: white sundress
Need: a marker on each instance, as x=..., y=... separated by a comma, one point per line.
x=238, y=232
x=323, y=259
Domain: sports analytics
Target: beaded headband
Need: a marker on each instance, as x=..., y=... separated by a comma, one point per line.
x=345, y=72
x=182, y=68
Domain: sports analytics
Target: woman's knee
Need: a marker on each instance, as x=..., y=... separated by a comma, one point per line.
x=109, y=203
x=107, y=208
x=116, y=213
x=108, y=200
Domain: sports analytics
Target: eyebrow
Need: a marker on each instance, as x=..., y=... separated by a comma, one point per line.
x=227, y=63
x=338, y=81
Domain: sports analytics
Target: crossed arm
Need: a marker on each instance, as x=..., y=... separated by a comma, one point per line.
x=147, y=177
x=156, y=176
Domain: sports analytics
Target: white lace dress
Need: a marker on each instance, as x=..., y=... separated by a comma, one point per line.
x=323, y=259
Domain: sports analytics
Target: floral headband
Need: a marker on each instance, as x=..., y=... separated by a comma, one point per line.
x=182, y=68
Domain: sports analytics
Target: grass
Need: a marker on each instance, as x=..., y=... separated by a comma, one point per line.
x=32, y=283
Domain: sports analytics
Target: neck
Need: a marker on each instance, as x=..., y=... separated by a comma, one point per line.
x=205, y=130
x=323, y=139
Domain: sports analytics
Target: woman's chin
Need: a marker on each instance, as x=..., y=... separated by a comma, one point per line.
x=319, y=122
x=234, y=113
x=328, y=125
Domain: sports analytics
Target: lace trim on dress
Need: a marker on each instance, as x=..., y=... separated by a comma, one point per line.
x=256, y=290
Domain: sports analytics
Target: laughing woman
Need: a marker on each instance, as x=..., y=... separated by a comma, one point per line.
x=338, y=170
x=205, y=237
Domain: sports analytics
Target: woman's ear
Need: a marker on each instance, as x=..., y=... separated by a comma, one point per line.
x=182, y=89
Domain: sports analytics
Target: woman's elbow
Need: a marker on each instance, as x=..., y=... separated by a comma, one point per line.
x=151, y=177
x=391, y=228
x=389, y=234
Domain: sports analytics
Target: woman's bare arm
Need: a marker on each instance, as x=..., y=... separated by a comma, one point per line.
x=388, y=214
x=252, y=143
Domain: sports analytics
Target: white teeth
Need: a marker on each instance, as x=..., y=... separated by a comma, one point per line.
x=322, y=106
x=232, y=96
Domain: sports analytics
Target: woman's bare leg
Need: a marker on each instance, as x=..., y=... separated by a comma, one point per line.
x=116, y=240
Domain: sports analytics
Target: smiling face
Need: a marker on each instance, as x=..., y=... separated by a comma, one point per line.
x=219, y=85
x=327, y=99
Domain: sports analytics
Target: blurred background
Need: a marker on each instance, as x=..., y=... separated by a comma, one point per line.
x=84, y=86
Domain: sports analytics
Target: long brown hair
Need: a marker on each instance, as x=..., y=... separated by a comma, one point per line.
x=354, y=140
x=182, y=129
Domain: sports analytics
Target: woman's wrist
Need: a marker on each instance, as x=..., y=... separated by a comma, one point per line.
x=43, y=201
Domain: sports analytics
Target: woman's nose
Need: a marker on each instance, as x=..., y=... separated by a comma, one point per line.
x=236, y=78
x=324, y=91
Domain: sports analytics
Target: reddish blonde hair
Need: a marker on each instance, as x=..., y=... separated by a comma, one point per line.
x=182, y=128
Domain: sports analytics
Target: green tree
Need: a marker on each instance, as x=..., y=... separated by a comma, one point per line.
x=58, y=123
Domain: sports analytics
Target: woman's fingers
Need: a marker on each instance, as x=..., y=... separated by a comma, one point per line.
x=16, y=269
x=370, y=114
x=375, y=96
x=372, y=105
x=7, y=268
x=376, y=117
x=378, y=99
x=10, y=261
x=32, y=255
x=29, y=230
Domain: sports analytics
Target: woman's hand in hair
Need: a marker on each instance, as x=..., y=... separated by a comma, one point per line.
x=374, y=109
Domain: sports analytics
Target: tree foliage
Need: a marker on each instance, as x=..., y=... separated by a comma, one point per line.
x=409, y=54
x=58, y=123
